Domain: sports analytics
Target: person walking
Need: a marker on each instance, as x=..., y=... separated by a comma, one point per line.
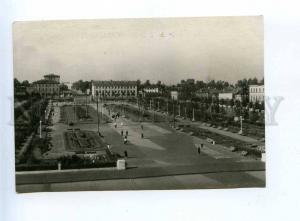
x=125, y=140
x=126, y=133
x=122, y=133
x=125, y=153
x=142, y=135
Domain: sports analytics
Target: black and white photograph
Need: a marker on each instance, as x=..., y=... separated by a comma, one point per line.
x=139, y=104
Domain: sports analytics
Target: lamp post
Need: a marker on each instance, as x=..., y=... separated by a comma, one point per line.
x=98, y=113
x=173, y=113
x=40, y=129
x=74, y=104
x=193, y=115
x=241, y=119
x=167, y=107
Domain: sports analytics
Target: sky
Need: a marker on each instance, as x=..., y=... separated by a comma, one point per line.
x=165, y=49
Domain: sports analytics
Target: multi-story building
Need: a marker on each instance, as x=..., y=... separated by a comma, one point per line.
x=151, y=90
x=114, y=89
x=256, y=93
x=52, y=77
x=48, y=87
x=226, y=95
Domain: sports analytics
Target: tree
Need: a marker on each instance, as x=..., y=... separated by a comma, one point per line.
x=81, y=85
x=16, y=83
x=63, y=87
x=147, y=83
x=25, y=83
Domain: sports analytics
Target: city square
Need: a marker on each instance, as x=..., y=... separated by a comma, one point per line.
x=159, y=115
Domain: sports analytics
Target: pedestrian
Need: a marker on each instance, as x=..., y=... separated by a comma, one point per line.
x=125, y=140
x=142, y=135
x=115, y=125
x=142, y=127
x=126, y=133
x=122, y=133
x=199, y=151
x=125, y=153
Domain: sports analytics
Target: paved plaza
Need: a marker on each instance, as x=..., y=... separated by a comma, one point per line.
x=165, y=158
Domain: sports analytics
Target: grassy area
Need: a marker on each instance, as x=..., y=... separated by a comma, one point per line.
x=80, y=141
x=84, y=114
x=137, y=115
x=223, y=140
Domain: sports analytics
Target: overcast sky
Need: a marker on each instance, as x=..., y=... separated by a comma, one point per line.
x=219, y=48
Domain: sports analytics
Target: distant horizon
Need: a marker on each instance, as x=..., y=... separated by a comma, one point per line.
x=165, y=49
x=143, y=81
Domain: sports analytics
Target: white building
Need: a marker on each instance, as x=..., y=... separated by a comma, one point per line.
x=174, y=95
x=256, y=93
x=114, y=89
x=151, y=90
x=226, y=96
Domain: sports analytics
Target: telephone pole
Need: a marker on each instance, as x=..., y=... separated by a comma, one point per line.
x=98, y=113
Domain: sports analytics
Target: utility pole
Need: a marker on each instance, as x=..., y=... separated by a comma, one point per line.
x=193, y=115
x=74, y=110
x=241, y=119
x=158, y=105
x=98, y=113
x=179, y=109
x=153, y=111
x=86, y=113
x=173, y=113
x=167, y=107
x=40, y=129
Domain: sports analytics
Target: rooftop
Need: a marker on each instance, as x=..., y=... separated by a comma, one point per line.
x=51, y=75
x=45, y=82
x=114, y=83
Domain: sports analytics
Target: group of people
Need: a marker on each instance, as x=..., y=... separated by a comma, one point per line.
x=125, y=137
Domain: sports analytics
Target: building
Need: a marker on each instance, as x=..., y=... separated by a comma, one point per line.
x=225, y=95
x=151, y=90
x=256, y=93
x=68, y=84
x=52, y=77
x=114, y=89
x=174, y=95
x=47, y=87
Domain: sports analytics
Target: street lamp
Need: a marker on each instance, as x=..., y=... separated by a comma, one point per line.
x=241, y=119
x=193, y=114
x=98, y=112
x=40, y=129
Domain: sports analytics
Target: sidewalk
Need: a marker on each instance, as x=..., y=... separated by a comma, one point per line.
x=215, y=130
x=91, y=175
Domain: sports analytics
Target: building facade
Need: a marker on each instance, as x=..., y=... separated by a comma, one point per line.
x=46, y=88
x=52, y=77
x=226, y=95
x=256, y=93
x=174, y=95
x=114, y=89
